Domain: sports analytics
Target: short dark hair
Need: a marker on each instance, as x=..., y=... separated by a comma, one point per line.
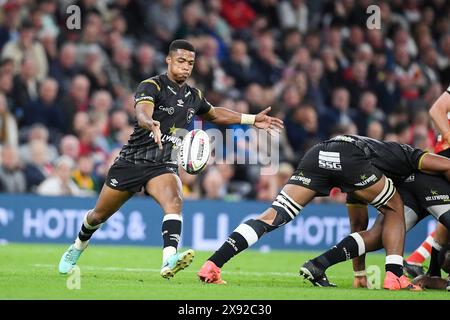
x=181, y=44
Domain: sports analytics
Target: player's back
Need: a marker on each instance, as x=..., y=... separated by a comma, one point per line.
x=396, y=160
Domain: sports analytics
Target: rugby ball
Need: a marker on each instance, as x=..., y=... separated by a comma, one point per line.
x=194, y=152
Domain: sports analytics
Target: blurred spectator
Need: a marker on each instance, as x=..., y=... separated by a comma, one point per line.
x=76, y=100
x=375, y=130
x=268, y=63
x=84, y=176
x=65, y=67
x=10, y=21
x=145, y=65
x=39, y=167
x=241, y=66
x=12, y=178
x=26, y=45
x=46, y=110
x=237, y=13
x=367, y=112
x=302, y=128
x=293, y=13
x=59, y=183
x=318, y=86
x=191, y=21
x=8, y=127
x=25, y=89
x=214, y=185
x=339, y=114
x=163, y=19
x=70, y=146
x=37, y=132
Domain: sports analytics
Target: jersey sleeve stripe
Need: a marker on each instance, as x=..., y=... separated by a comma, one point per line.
x=153, y=82
x=421, y=159
x=200, y=94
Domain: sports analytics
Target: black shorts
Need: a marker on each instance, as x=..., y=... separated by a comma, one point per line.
x=127, y=176
x=335, y=164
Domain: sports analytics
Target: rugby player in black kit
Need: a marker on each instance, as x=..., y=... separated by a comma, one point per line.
x=163, y=104
x=356, y=164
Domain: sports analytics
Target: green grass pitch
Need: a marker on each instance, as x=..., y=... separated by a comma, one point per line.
x=29, y=271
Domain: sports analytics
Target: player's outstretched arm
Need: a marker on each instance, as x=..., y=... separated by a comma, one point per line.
x=438, y=113
x=261, y=120
x=144, y=114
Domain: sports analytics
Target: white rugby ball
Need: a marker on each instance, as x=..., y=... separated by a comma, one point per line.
x=194, y=151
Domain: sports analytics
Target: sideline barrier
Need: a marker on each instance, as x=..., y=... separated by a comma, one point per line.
x=206, y=223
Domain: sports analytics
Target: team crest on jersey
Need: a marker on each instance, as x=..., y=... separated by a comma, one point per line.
x=190, y=115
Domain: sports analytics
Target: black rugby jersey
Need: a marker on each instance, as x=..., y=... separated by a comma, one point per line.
x=174, y=108
x=396, y=160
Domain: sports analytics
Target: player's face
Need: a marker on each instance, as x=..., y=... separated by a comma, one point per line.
x=180, y=64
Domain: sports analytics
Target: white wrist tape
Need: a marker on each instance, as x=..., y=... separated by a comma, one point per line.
x=361, y=273
x=248, y=118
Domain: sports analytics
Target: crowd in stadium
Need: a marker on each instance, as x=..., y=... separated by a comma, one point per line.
x=67, y=96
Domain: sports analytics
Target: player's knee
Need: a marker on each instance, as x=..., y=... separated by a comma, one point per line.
x=386, y=195
x=173, y=204
x=96, y=217
x=286, y=209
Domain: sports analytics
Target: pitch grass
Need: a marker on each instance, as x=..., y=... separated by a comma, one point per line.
x=29, y=271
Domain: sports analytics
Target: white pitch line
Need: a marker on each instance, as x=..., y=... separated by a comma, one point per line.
x=242, y=273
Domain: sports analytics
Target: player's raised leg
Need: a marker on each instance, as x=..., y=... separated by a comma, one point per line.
x=284, y=209
x=109, y=201
x=166, y=190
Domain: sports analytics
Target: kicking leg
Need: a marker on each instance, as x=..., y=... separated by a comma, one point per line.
x=166, y=190
x=284, y=209
x=109, y=201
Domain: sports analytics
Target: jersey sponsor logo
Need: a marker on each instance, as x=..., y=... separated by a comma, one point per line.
x=143, y=98
x=168, y=138
x=303, y=180
x=169, y=110
x=180, y=103
x=365, y=181
x=171, y=89
x=330, y=160
x=343, y=138
x=190, y=114
x=435, y=196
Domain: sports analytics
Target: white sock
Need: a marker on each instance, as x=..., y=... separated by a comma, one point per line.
x=394, y=259
x=80, y=245
x=167, y=252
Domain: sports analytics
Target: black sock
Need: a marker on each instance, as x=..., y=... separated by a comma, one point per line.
x=171, y=230
x=396, y=269
x=344, y=250
x=87, y=230
x=241, y=238
x=435, y=269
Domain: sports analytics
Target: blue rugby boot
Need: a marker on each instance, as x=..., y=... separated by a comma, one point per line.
x=69, y=259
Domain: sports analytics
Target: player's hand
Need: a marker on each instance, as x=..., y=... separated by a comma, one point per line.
x=155, y=127
x=268, y=123
x=360, y=282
